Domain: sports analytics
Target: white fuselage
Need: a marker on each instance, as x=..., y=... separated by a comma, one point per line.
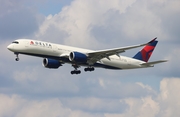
x=57, y=51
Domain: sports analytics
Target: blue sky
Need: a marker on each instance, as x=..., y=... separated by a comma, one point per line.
x=28, y=89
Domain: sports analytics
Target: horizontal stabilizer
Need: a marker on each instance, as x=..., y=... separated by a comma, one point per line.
x=153, y=63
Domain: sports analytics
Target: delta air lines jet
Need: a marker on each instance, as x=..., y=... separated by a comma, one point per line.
x=55, y=55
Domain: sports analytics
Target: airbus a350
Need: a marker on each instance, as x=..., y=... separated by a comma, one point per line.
x=55, y=55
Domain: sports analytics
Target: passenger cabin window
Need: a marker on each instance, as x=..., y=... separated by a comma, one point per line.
x=16, y=42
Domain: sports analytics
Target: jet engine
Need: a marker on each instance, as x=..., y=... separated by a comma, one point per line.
x=51, y=63
x=78, y=57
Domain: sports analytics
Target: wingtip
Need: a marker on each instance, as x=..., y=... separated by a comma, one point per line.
x=152, y=40
x=165, y=60
x=155, y=38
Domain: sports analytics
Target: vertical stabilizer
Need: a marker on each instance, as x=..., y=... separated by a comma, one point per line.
x=147, y=51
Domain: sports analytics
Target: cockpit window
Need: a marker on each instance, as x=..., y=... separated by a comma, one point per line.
x=16, y=42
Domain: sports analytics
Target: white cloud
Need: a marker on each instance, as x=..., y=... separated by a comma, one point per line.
x=164, y=104
x=95, y=105
x=9, y=104
x=144, y=86
x=78, y=23
x=75, y=22
x=18, y=107
x=140, y=107
x=169, y=97
x=141, y=22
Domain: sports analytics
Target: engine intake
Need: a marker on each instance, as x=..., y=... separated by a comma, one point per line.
x=51, y=63
x=78, y=57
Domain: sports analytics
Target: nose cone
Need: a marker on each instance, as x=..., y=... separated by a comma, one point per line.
x=10, y=47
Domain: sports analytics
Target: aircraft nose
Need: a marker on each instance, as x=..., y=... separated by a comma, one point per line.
x=10, y=47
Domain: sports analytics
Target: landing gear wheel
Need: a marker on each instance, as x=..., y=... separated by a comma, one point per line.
x=72, y=72
x=89, y=69
x=85, y=69
x=78, y=72
x=75, y=72
x=17, y=59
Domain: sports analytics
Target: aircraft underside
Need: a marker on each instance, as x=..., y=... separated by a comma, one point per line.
x=66, y=60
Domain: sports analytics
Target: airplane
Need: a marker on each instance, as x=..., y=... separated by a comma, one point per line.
x=55, y=55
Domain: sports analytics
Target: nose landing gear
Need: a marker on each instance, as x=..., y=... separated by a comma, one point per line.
x=17, y=57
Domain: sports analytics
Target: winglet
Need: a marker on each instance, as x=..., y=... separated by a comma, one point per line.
x=152, y=40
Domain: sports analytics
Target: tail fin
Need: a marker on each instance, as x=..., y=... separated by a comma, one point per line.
x=146, y=52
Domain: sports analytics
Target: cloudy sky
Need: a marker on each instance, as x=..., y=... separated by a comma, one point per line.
x=27, y=89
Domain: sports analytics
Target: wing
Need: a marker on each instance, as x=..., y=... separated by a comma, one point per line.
x=98, y=55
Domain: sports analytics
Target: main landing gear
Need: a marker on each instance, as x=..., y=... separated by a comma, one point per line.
x=17, y=57
x=76, y=71
x=89, y=69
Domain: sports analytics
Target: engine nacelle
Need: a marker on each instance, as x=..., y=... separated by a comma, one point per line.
x=51, y=63
x=78, y=57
